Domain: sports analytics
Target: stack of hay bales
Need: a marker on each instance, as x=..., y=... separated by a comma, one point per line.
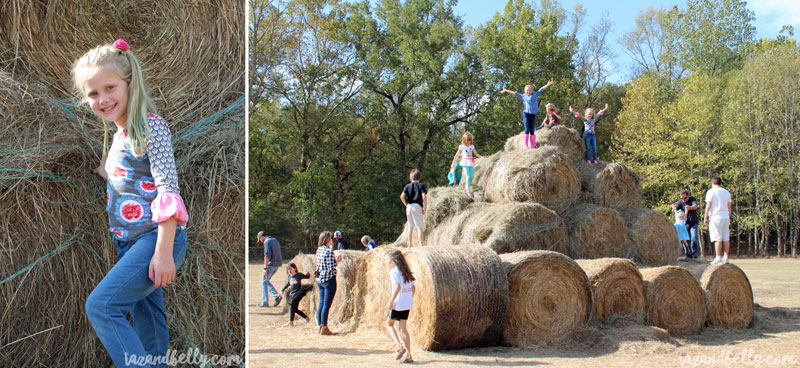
x=584, y=211
x=55, y=246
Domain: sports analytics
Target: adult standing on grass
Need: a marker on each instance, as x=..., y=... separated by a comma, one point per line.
x=272, y=261
x=415, y=199
x=689, y=206
x=718, y=206
x=326, y=267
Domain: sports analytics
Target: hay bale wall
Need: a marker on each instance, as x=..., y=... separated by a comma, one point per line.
x=347, y=274
x=460, y=300
x=654, y=241
x=595, y=232
x=54, y=225
x=505, y=228
x=729, y=296
x=549, y=297
x=542, y=175
x=675, y=300
x=617, y=289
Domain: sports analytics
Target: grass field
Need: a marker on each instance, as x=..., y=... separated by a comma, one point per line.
x=772, y=341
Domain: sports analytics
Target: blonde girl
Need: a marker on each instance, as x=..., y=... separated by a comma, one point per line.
x=551, y=119
x=531, y=101
x=588, y=131
x=466, y=151
x=400, y=303
x=368, y=243
x=146, y=213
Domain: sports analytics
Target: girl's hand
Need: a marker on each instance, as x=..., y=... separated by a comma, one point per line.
x=606, y=107
x=550, y=82
x=570, y=109
x=390, y=305
x=100, y=170
x=162, y=270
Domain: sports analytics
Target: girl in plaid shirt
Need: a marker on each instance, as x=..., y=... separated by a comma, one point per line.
x=326, y=267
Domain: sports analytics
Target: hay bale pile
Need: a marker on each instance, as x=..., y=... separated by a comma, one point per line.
x=55, y=246
x=549, y=297
x=729, y=296
x=460, y=301
x=595, y=206
x=617, y=289
x=675, y=300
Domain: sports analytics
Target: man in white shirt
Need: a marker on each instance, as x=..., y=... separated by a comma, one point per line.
x=718, y=206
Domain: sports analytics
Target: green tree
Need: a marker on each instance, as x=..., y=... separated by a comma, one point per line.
x=714, y=33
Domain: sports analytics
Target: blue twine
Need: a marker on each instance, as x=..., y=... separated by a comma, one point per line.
x=53, y=252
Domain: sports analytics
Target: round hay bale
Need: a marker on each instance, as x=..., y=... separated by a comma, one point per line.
x=588, y=175
x=617, y=289
x=595, y=232
x=654, y=241
x=618, y=187
x=443, y=203
x=503, y=227
x=483, y=169
x=567, y=140
x=675, y=301
x=305, y=263
x=549, y=297
x=460, y=300
x=541, y=175
x=729, y=296
x=347, y=274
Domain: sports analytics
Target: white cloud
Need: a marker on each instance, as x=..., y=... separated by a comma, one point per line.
x=771, y=15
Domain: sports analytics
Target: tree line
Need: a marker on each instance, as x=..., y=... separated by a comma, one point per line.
x=347, y=98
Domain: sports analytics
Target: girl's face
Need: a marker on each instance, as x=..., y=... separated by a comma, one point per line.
x=589, y=113
x=390, y=262
x=108, y=96
x=291, y=271
x=551, y=111
x=528, y=90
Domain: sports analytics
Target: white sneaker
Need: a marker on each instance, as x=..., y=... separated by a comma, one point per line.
x=725, y=260
x=716, y=260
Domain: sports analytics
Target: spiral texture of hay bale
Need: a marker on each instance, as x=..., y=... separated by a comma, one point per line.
x=549, y=297
x=675, y=300
x=618, y=187
x=729, y=295
x=595, y=232
x=617, y=289
x=460, y=300
x=505, y=228
x=654, y=241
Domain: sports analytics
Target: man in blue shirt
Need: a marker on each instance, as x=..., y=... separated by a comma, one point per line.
x=272, y=261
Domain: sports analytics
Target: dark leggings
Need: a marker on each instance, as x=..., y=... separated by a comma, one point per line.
x=529, y=121
x=293, y=309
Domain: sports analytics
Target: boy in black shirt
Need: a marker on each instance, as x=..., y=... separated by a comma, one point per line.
x=414, y=197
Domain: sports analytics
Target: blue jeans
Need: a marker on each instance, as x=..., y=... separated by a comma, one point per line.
x=267, y=286
x=127, y=289
x=327, y=290
x=529, y=121
x=591, y=144
x=694, y=243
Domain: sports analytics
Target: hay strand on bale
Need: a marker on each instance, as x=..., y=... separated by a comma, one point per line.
x=543, y=175
x=654, y=241
x=595, y=232
x=729, y=296
x=675, y=300
x=617, y=289
x=460, y=300
x=618, y=187
x=549, y=297
x=503, y=227
x=567, y=140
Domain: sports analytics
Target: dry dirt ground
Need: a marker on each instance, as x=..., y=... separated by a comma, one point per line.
x=773, y=340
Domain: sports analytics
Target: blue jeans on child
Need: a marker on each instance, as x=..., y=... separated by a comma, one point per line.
x=267, y=286
x=528, y=122
x=327, y=290
x=591, y=144
x=127, y=289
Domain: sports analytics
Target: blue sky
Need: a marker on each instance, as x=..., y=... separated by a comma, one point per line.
x=770, y=16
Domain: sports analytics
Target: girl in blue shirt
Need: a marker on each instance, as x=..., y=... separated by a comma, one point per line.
x=531, y=101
